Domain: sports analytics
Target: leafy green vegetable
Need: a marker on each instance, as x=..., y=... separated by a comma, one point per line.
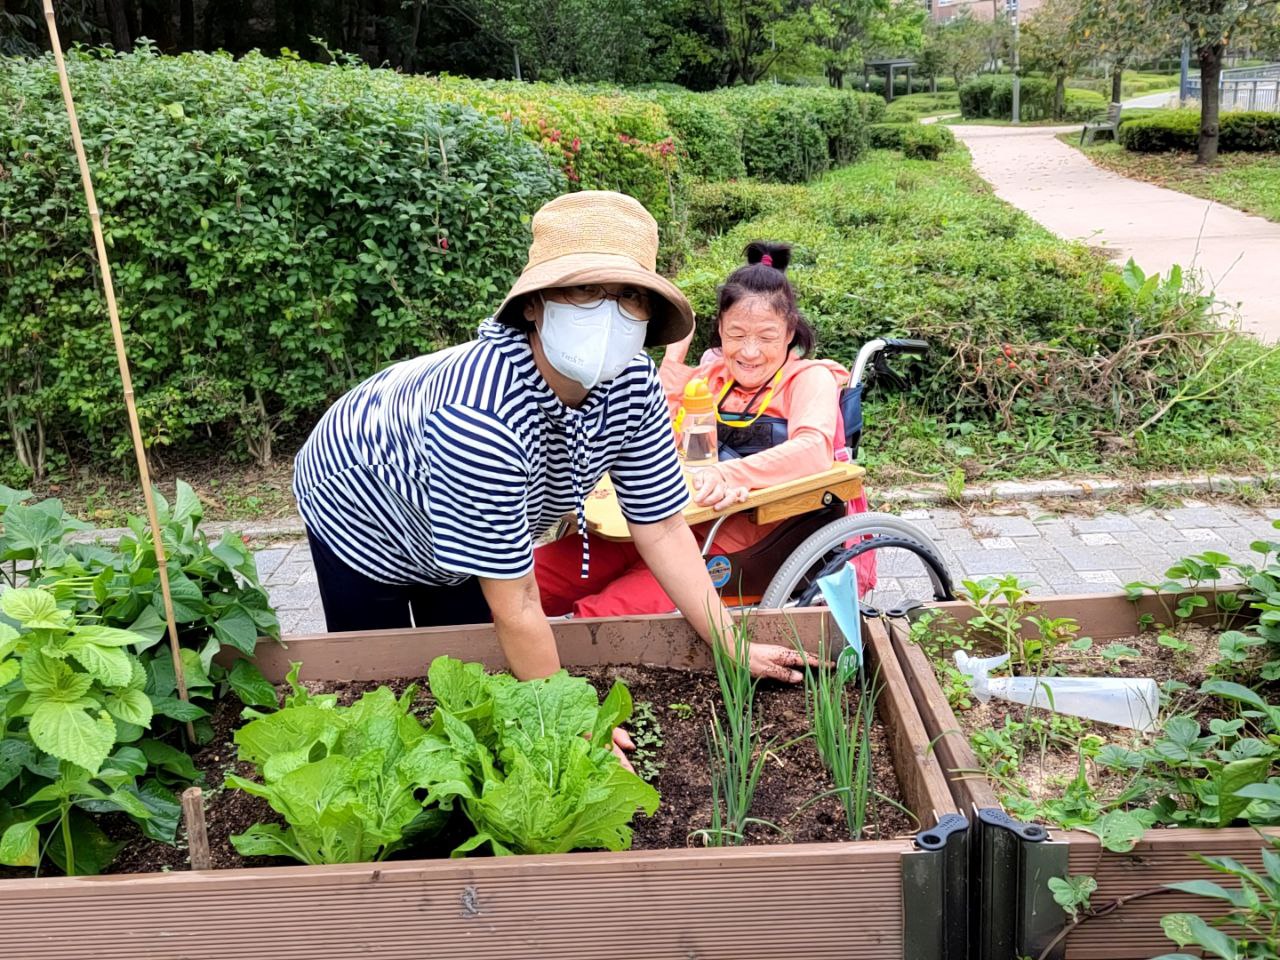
x=530, y=764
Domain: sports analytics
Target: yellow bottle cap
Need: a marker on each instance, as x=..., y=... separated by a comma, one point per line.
x=697, y=397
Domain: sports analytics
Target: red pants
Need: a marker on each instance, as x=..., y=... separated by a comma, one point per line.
x=618, y=582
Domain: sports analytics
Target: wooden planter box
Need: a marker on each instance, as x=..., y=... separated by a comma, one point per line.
x=872, y=899
x=1012, y=862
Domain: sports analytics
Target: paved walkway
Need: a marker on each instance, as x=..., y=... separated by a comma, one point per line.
x=1059, y=187
x=1059, y=552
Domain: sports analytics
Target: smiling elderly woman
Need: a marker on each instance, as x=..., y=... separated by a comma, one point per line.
x=425, y=488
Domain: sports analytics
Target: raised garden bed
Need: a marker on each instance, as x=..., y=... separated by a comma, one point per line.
x=1013, y=862
x=880, y=898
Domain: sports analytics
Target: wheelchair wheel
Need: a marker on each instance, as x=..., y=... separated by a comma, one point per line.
x=909, y=570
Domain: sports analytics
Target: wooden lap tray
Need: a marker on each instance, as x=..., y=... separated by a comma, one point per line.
x=843, y=481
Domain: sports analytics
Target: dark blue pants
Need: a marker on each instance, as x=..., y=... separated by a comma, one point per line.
x=353, y=601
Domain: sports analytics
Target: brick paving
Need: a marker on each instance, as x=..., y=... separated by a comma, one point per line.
x=1058, y=552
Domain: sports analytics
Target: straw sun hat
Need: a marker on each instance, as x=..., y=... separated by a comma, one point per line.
x=596, y=236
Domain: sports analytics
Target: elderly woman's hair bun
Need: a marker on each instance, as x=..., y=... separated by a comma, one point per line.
x=776, y=255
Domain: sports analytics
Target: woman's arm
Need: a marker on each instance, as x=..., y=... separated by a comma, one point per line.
x=671, y=553
x=810, y=444
x=523, y=632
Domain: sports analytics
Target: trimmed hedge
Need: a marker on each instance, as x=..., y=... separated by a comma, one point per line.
x=915, y=140
x=280, y=229
x=792, y=134
x=926, y=143
x=710, y=136
x=600, y=139
x=1246, y=131
x=717, y=207
x=277, y=230
x=991, y=96
x=887, y=136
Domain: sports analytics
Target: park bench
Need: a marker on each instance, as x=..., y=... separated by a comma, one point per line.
x=1107, y=121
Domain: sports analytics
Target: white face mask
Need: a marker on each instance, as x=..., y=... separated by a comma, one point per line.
x=590, y=344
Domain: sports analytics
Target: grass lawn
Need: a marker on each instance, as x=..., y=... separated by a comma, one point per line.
x=1246, y=181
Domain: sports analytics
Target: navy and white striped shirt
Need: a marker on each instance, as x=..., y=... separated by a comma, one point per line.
x=453, y=464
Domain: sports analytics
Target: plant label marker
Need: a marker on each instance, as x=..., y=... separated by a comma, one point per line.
x=122, y=357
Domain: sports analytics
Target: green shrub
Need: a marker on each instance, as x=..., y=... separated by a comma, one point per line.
x=709, y=135
x=791, y=134
x=277, y=230
x=991, y=96
x=601, y=138
x=907, y=109
x=1250, y=131
x=717, y=207
x=898, y=247
x=926, y=143
x=887, y=136
x=1164, y=130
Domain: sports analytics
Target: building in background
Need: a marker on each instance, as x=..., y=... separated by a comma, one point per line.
x=942, y=10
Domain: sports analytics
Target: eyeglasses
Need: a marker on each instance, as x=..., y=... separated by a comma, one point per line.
x=634, y=302
x=738, y=342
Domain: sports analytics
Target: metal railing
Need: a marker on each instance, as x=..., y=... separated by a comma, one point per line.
x=1258, y=92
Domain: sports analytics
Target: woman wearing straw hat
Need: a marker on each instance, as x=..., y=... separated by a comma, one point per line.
x=426, y=487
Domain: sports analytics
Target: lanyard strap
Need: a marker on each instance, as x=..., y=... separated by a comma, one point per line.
x=764, y=405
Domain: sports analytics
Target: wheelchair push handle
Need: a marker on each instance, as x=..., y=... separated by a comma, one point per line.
x=875, y=353
x=915, y=348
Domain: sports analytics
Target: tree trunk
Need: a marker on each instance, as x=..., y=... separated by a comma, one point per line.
x=1117, y=81
x=187, y=24
x=1059, y=96
x=1210, y=57
x=411, y=54
x=119, y=22
x=933, y=84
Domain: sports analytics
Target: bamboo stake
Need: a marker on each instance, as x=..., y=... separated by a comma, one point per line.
x=122, y=357
x=197, y=833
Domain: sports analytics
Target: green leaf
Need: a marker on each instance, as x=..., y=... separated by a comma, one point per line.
x=49, y=679
x=264, y=840
x=1119, y=830
x=170, y=760
x=20, y=845
x=14, y=755
x=110, y=666
x=186, y=503
x=251, y=686
x=1232, y=778
x=100, y=636
x=1187, y=929
x=1202, y=888
x=33, y=608
x=614, y=712
x=175, y=709
x=236, y=628
x=164, y=811
x=131, y=706
x=1072, y=893
x=71, y=734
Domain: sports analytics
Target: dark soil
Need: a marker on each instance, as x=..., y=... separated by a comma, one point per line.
x=673, y=727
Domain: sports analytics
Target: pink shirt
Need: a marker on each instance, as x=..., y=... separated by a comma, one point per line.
x=807, y=397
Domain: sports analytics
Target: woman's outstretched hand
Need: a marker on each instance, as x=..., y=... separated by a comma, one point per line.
x=778, y=662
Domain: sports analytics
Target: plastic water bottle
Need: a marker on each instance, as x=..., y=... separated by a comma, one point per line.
x=1132, y=702
x=697, y=437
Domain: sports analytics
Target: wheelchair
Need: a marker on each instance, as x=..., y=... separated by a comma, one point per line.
x=898, y=565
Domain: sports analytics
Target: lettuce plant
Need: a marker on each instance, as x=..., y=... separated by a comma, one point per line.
x=528, y=763
x=342, y=777
x=539, y=774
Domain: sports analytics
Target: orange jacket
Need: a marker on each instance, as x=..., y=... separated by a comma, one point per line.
x=807, y=397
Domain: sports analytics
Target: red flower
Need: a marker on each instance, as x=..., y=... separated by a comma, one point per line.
x=444, y=243
x=577, y=144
